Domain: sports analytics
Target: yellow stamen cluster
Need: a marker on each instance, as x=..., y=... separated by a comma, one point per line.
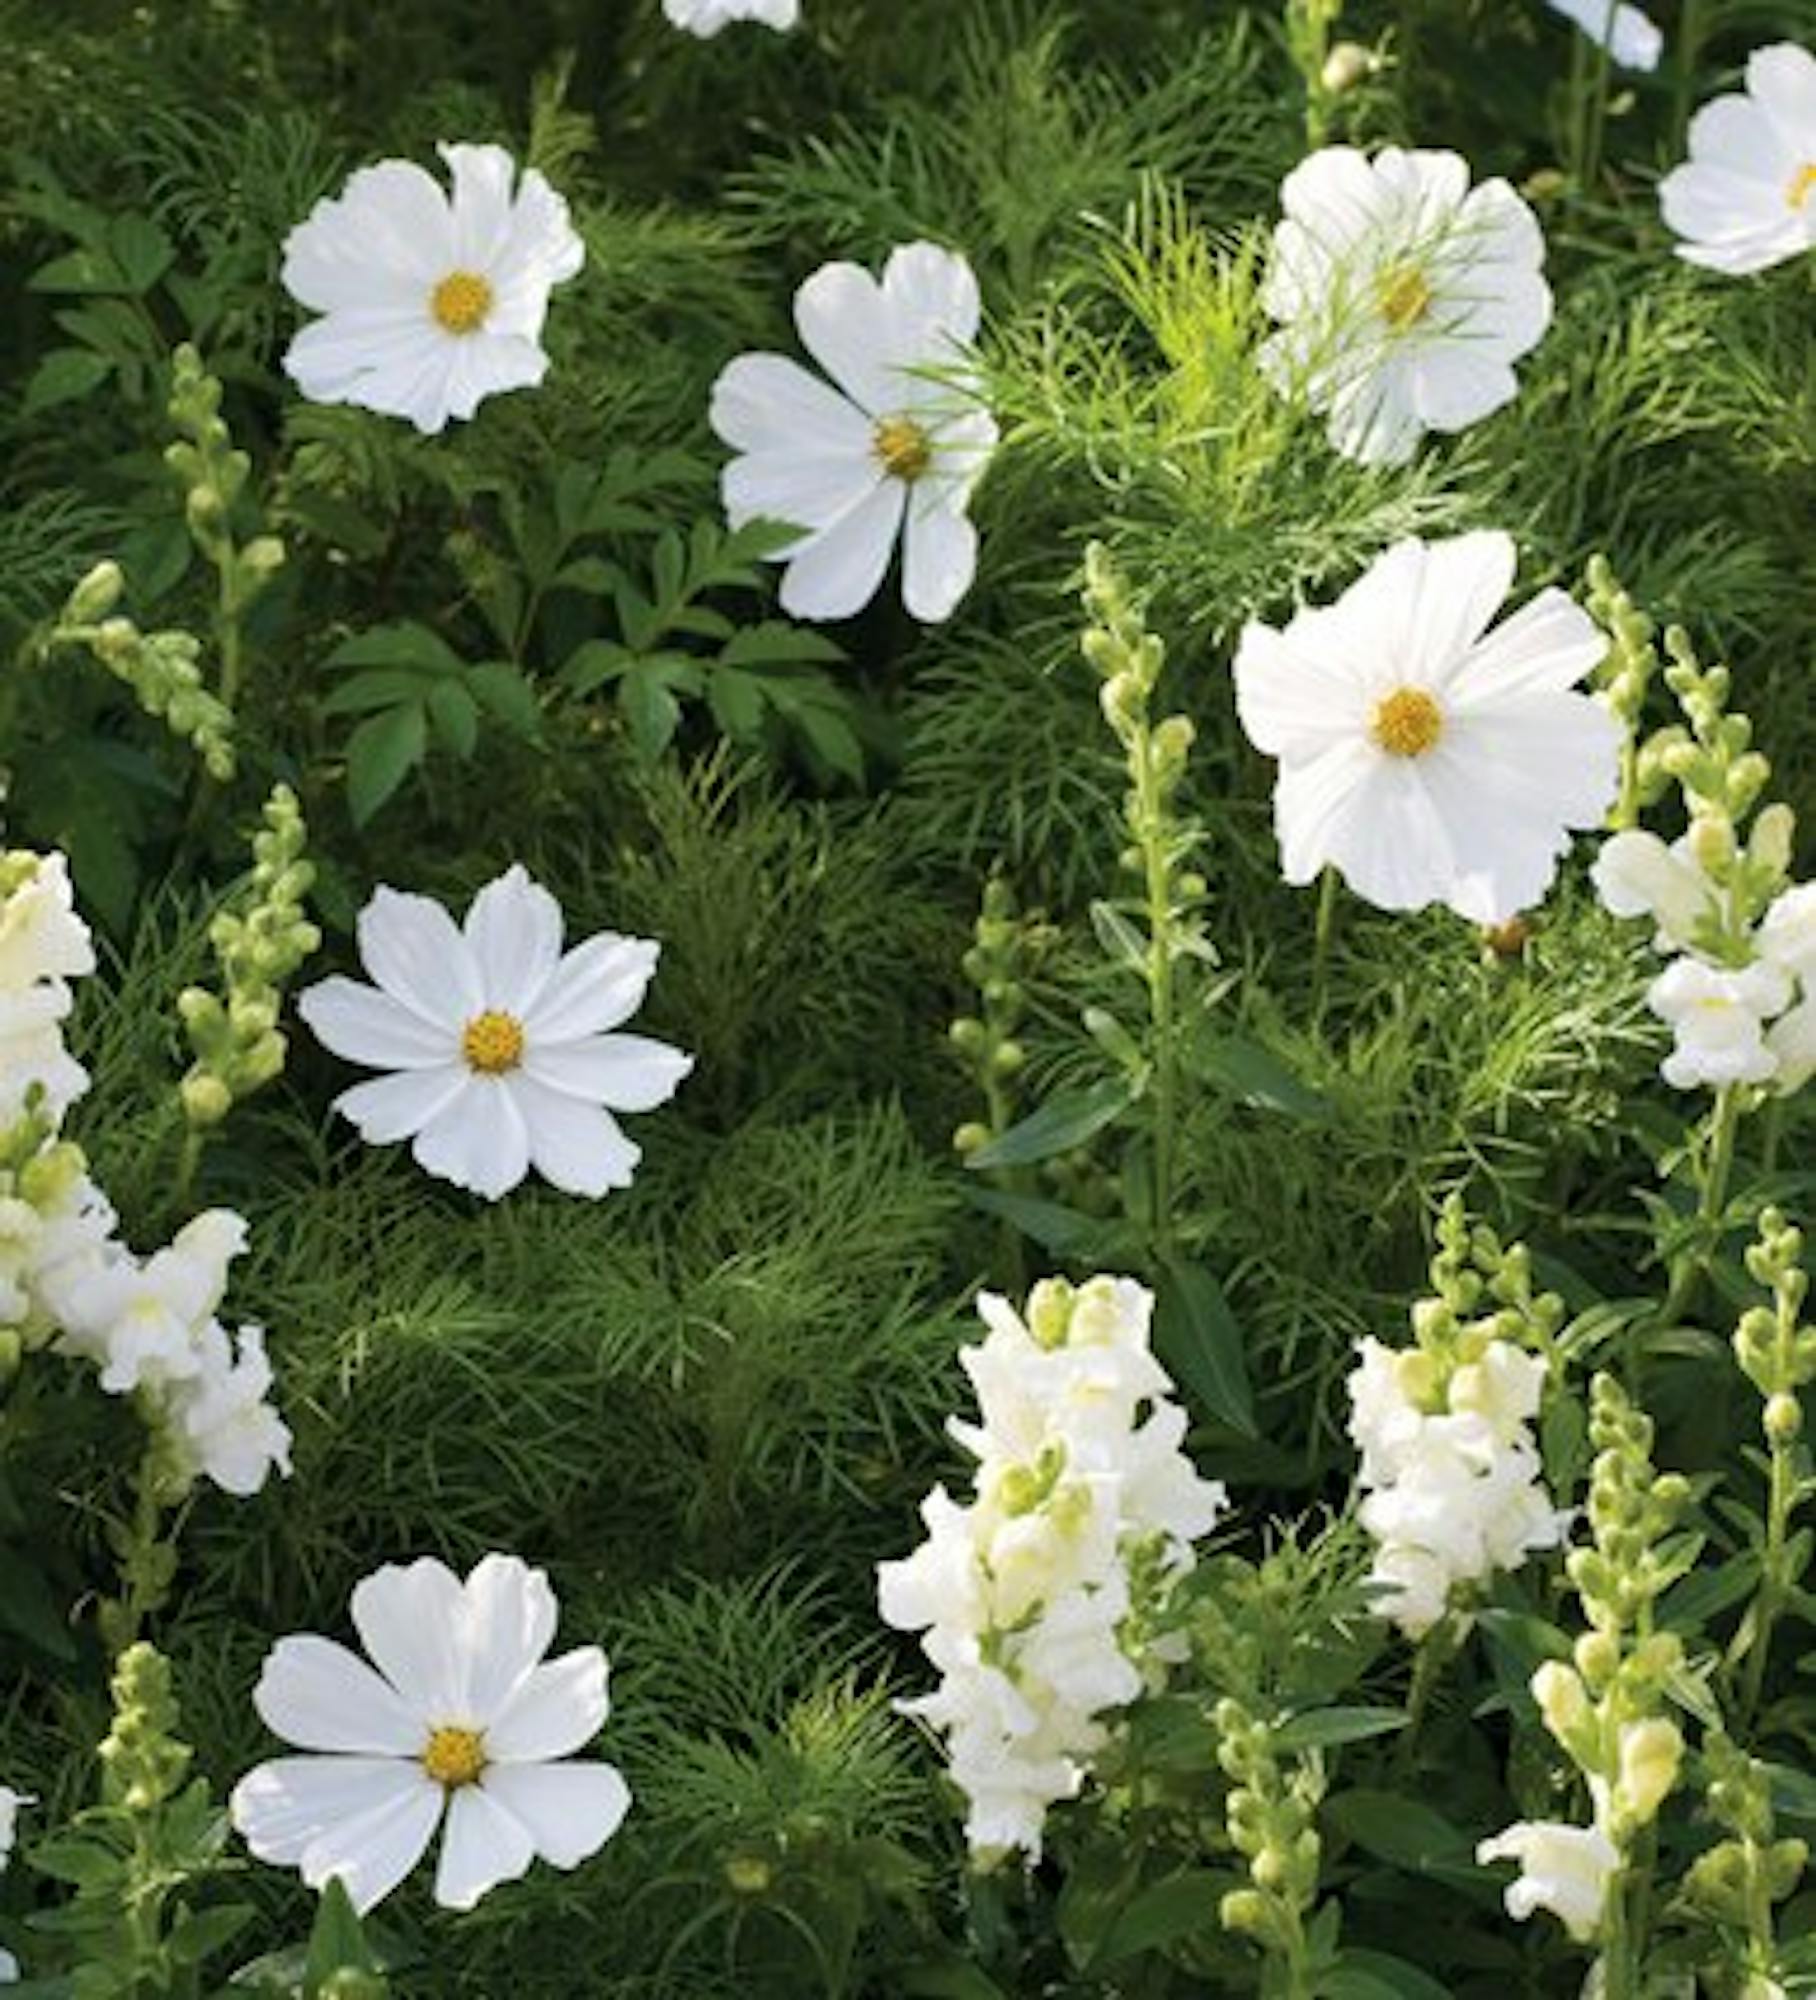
x=902, y=448
x=1403, y=295
x=461, y=301
x=454, y=1757
x=1407, y=723
x=493, y=1043
x=1803, y=185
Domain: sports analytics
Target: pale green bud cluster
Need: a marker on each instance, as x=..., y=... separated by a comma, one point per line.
x=1735, y=1883
x=1626, y=675
x=259, y=944
x=1777, y=1353
x=214, y=475
x=1481, y=1292
x=163, y=669
x=1271, y=1819
x=143, y=1761
x=1006, y=946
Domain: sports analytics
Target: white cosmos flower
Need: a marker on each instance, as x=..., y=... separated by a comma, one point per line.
x=706, y=17
x=1405, y=296
x=459, y=1714
x=497, y=1042
x=1426, y=758
x=1746, y=197
x=893, y=448
x=1718, y=1017
x=430, y=303
x=1563, y=1869
x=1632, y=38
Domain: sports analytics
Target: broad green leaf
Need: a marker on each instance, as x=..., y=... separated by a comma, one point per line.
x=402, y=644
x=737, y=701
x=1061, y=1124
x=1256, y=1076
x=505, y=692
x=1196, y=1336
x=381, y=753
x=650, y=709
x=65, y=375
x=1402, y=1831
x=1322, y=1728
x=1177, y=1906
x=773, y=641
x=377, y=687
x=1377, y=1975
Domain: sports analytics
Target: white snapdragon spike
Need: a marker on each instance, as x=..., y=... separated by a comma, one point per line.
x=1424, y=756
x=706, y=18
x=1791, y=1042
x=1718, y=1017
x=1746, y=196
x=1787, y=933
x=225, y=1427
x=1023, y=1594
x=497, y=1042
x=143, y=1322
x=35, y=1067
x=1452, y=1482
x=892, y=449
x=459, y=1717
x=431, y=302
x=41, y=936
x=1637, y=875
x=1404, y=296
x=1563, y=1869
x=1631, y=37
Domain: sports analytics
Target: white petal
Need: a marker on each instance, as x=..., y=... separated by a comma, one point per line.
x=1454, y=386
x=846, y=325
x=366, y=1820
x=933, y=295
x=626, y=1072
x=808, y=490
x=319, y=1696
x=514, y=932
x=1390, y=844
x=482, y=177
x=411, y=948
x=1781, y=79
x=364, y=1025
x=576, y=1147
x=389, y=1108
x=1295, y=700
x=767, y=403
x=1733, y=132
x=484, y=1844
x=939, y=559
x=1315, y=803
x=1461, y=583
x=1546, y=647
x=351, y=352
x=558, y=1709
x=411, y=1620
x=509, y=1624
x=570, y=1810
x=389, y=218
x=837, y=572
x=478, y=1139
x=596, y=986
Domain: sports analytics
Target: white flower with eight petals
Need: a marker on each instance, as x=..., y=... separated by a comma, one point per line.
x=1426, y=758
x=430, y=303
x=1405, y=296
x=497, y=1042
x=459, y=1716
x=893, y=449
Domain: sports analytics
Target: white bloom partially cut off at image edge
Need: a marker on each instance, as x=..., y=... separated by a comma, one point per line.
x=458, y=1718
x=1745, y=199
x=1632, y=38
x=889, y=450
x=1425, y=757
x=706, y=18
x=430, y=301
x=496, y=1040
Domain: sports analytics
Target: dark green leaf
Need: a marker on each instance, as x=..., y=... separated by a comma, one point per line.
x=1196, y=1336
x=455, y=715
x=1320, y=1728
x=381, y=753
x=1177, y=1906
x=1061, y=1124
x=1255, y=1076
x=403, y=644
x=63, y=376
x=1400, y=1830
x=651, y=710
x=1377, y=1975
x=505, y=692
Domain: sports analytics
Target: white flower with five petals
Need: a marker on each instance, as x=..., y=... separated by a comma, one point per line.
x=1404, y=295
x=497, y=1042
x=431, y=302
x=459, y=1716
x=891, y=450
x=1746, y=196
x=1425, y=757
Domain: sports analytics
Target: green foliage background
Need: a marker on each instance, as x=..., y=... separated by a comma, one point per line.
x=710, y=1405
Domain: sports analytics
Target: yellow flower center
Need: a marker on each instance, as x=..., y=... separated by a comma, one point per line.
x=902, y=447
x=461, y=301
x=454, y=1757
x=1407, y=723
x=493, y=1043
x=1403, y=295
x=1803, y=185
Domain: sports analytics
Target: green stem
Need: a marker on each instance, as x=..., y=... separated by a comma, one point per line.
x=1160, y=983
x=1690, y=1264
x=1328, y=885
x=1774, y=1583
